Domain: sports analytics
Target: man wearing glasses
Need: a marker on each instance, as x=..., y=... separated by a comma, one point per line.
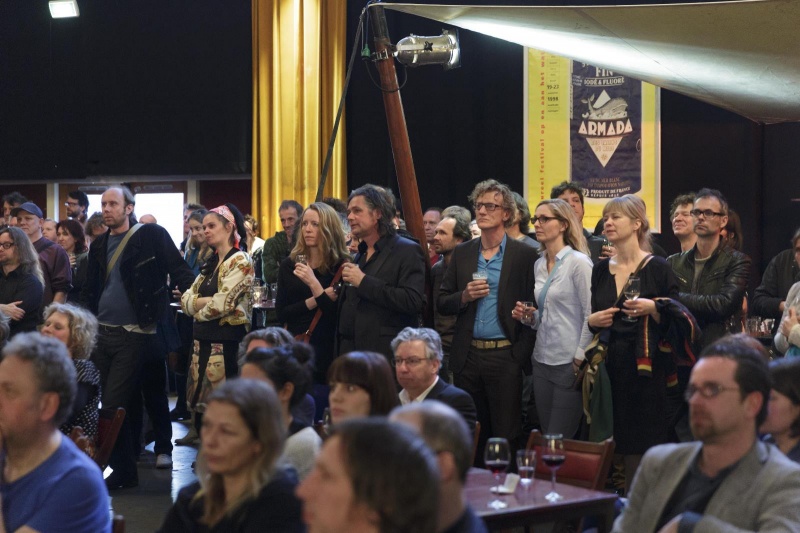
x=485, y=279
x=417, y=359
x=77, y=204
x=727, y=480
x=712, y=278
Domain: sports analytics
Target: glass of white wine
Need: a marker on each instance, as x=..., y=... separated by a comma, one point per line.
x=632, y=289
x=526, y=466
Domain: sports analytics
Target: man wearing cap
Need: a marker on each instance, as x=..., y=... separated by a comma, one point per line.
x=54, y=260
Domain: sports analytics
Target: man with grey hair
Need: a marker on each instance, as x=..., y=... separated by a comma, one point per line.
x=48, y=483
x=446, y=434
x=277, y=248
x=485, y=279
x=417, y=359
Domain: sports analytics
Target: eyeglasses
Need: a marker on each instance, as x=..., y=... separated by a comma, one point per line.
x=707, y=213
x=71, y=204
x=408, y=361
x=489, y=206
x=543, y=219
x=707, y=390
x=6, y=245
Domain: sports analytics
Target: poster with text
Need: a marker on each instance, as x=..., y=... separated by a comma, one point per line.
x=592, y=126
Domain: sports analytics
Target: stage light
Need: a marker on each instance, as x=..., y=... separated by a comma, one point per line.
x=64, y=8
x=415, y=50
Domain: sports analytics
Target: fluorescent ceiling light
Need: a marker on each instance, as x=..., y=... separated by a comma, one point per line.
x=64, y=8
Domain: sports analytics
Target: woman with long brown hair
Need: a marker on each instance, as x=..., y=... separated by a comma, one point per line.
x=71, y=237
x=304, y=287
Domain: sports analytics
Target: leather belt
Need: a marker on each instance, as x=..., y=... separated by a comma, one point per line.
x=490, y=344
x=104, y=328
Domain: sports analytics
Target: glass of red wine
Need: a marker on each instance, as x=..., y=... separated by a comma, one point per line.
x=496, y=457
x=553, y=456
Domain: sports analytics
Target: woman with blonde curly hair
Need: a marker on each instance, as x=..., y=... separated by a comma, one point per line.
x=77, y=329
x=240, y=486
x=304, y=286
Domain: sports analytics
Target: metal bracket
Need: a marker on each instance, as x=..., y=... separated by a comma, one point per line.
x=381, y=56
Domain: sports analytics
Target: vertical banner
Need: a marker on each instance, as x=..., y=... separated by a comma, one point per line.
x=594, y=127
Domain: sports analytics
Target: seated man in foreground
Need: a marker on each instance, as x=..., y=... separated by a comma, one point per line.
x=444, y=431
x=417, y=360
x=48, y=484
x=728, y=481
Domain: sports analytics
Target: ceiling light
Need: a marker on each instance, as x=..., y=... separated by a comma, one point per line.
x=64, y=8
x=415, y=50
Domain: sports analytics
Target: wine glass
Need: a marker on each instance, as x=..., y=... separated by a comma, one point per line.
x=496, y=456
x=300, y=258
x=529, y=313
x=553, y=456
x=632, y=288
x=526, y=465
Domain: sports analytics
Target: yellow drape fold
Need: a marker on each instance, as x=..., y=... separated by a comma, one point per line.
x=299, y=60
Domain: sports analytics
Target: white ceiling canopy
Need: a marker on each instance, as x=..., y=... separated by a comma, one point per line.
x=743, y=56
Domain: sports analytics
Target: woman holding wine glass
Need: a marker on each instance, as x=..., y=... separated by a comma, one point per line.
x=563, y=294
x=304, y=287
x=639, y=397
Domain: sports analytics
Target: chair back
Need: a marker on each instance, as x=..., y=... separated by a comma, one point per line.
x=586, y=465
x=107, y=431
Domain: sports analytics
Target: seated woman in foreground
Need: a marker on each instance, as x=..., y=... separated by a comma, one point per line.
x=782, y=426
x=77, y=329
x=239, y=486
x=362, y=384
x=288, y=369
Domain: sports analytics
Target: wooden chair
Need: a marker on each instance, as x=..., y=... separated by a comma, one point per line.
x=587, y=463
x=476, y=435
x=107, y=431
x=118, y=524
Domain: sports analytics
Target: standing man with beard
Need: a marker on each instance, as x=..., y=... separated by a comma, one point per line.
x=728, y=480
x=277, y=248
x=126, y=288
x=77, y=205
x=449, y=233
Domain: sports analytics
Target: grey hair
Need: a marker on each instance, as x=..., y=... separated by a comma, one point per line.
x=429, y=337
x=82, y=328
x=274, y=336
x=494, y=186
x=26, y=253
x=443, y=429
x=54, y=370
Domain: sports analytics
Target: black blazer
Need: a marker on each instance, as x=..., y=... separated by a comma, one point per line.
x=517, y=279
x=390, y=297
x=456, y=398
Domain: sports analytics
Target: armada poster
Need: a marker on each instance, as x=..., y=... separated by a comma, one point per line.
x=593, y=126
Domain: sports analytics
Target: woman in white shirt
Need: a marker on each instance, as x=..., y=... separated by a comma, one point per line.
x=563, y=301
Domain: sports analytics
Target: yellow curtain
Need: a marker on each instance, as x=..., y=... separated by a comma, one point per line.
x=299, y=61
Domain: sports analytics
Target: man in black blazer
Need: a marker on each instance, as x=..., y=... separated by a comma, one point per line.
x=384, y=289
x=417, y=359
x=491, y=349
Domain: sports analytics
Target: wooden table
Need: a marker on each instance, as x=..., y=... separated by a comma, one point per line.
x=530, y=507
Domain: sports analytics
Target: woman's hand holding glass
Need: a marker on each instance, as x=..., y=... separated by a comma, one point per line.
x=639, y=307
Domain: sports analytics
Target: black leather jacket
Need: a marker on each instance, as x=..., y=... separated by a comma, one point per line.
x=719, y=290
x=781, y=273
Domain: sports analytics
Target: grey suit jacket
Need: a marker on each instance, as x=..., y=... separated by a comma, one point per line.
x=761, y=494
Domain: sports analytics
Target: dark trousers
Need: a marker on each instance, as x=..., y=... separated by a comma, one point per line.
x=494, y=380
x=154, y=396
x=118, y=357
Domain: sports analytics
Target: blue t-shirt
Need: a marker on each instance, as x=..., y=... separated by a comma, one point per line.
x=64, y=493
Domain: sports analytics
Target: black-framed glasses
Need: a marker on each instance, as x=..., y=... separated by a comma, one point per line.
x=707, y=213
x=6, y=245
x=707, y=390
x=489, y=206
x=408, y=361
x=543, y=219
x=71, y=204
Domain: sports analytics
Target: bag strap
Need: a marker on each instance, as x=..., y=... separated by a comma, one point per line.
x=543, y=294
x=120, y=248
x=318, y=314
x=635, y=273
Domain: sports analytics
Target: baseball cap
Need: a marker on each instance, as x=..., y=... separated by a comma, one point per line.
x=30, y=207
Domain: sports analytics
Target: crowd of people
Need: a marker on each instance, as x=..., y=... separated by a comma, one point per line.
x=288, y=416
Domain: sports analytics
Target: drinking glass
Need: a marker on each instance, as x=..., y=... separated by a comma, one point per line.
x=496, y=456
x=631, y=291
x=528, y=313
x=480, y=274
x=258, y=293
x=300, y=258
x=273, y=293
x=553, y=456
x=526, y=466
